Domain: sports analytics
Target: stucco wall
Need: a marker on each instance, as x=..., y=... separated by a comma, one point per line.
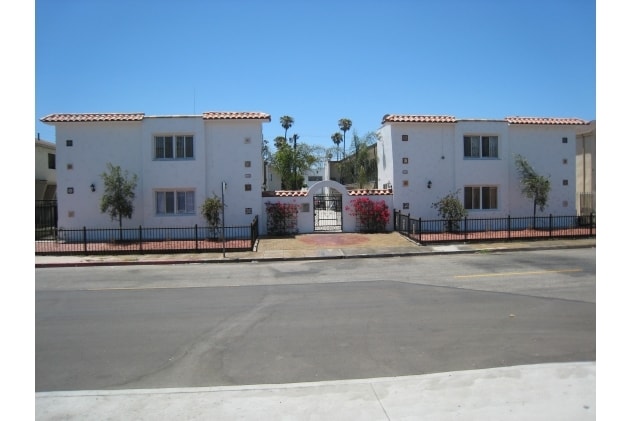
x=230, y=145
x=435, y=152
x=545, y=151
x=80, y=165
x=221, y=149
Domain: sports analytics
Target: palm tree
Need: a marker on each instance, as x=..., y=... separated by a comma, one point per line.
x=279, y=142
x=345, y=125
x=337, y=139
x=286, y=122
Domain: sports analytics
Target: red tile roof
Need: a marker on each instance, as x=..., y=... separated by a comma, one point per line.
x=90, y=117
x=370, y=192
x=303, y=193
x=289, y=193
x=546, y=120
x=399, y=118
x=60, y=118
x=233, y=115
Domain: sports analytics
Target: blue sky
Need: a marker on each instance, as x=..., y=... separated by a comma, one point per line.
x=317, y=61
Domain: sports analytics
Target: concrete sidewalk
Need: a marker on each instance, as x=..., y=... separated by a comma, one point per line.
x=314, y=247
x=563, y=391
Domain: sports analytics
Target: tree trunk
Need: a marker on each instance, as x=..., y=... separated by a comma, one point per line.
x=534, y=214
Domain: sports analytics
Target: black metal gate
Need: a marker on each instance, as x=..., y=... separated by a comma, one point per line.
x=45, y=219
x=327, y=213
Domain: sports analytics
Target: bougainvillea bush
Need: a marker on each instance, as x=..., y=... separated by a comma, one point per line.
x=282, y=218
x=372, y=216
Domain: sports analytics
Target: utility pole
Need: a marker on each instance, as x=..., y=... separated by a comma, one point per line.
x=223, y=220
x=294, y=183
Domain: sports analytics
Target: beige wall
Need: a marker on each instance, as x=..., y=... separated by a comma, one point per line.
x=45, y=178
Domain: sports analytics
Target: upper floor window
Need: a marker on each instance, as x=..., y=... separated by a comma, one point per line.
x=175, y=202
x=173, y=147
x=481, y=146
x=51, y=161
x=480, y=197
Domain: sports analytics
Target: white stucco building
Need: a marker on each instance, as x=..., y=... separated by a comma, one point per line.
x=424, y=158
x=179, y=160
x=182, y=160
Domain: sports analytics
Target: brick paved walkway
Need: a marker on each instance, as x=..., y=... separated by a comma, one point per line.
x=335, y=240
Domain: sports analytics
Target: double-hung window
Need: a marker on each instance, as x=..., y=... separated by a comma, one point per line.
x=173, y=147
x=481, y=146
x=176, y=202
x=480, y=197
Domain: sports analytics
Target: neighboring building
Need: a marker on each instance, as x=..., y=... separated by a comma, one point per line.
x=586, y=170
x=273, y=180
x=423, y=158
x=45, y=170
x=315, y=175
x=335, y=170
x=179, y=161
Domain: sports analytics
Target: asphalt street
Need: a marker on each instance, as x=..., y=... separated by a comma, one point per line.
x=284, y=322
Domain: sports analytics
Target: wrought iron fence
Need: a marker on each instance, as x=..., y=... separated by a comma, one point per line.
x=425, y=231
x=144, y=240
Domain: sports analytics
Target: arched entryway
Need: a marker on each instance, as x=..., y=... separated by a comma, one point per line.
x=328, y=206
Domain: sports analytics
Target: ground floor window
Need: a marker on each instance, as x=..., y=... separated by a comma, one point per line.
x=480, y=197
x=175, y=202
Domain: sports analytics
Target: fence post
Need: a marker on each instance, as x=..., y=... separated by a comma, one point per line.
x=140, y=238
x=466, y=230
x=591, y=223
x=420, y=230
x=508, y=227
x=252, y=234
x=550, y=225
x=409, y=224
x=85, y=241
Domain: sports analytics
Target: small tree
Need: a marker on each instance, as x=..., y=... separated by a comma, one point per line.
x=451, y=209
x=533, y=186
x=211, y=210
x=118, y=196
x=291, y=164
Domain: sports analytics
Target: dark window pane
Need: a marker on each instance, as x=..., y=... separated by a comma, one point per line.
x=170, y=202
x=168, y=147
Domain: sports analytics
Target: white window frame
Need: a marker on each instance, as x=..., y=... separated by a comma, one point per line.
x=173, y=147
x=481, y=197
x=481, y=146
x=174, y=202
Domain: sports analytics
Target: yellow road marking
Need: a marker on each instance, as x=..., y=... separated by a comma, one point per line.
x=483, y=275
